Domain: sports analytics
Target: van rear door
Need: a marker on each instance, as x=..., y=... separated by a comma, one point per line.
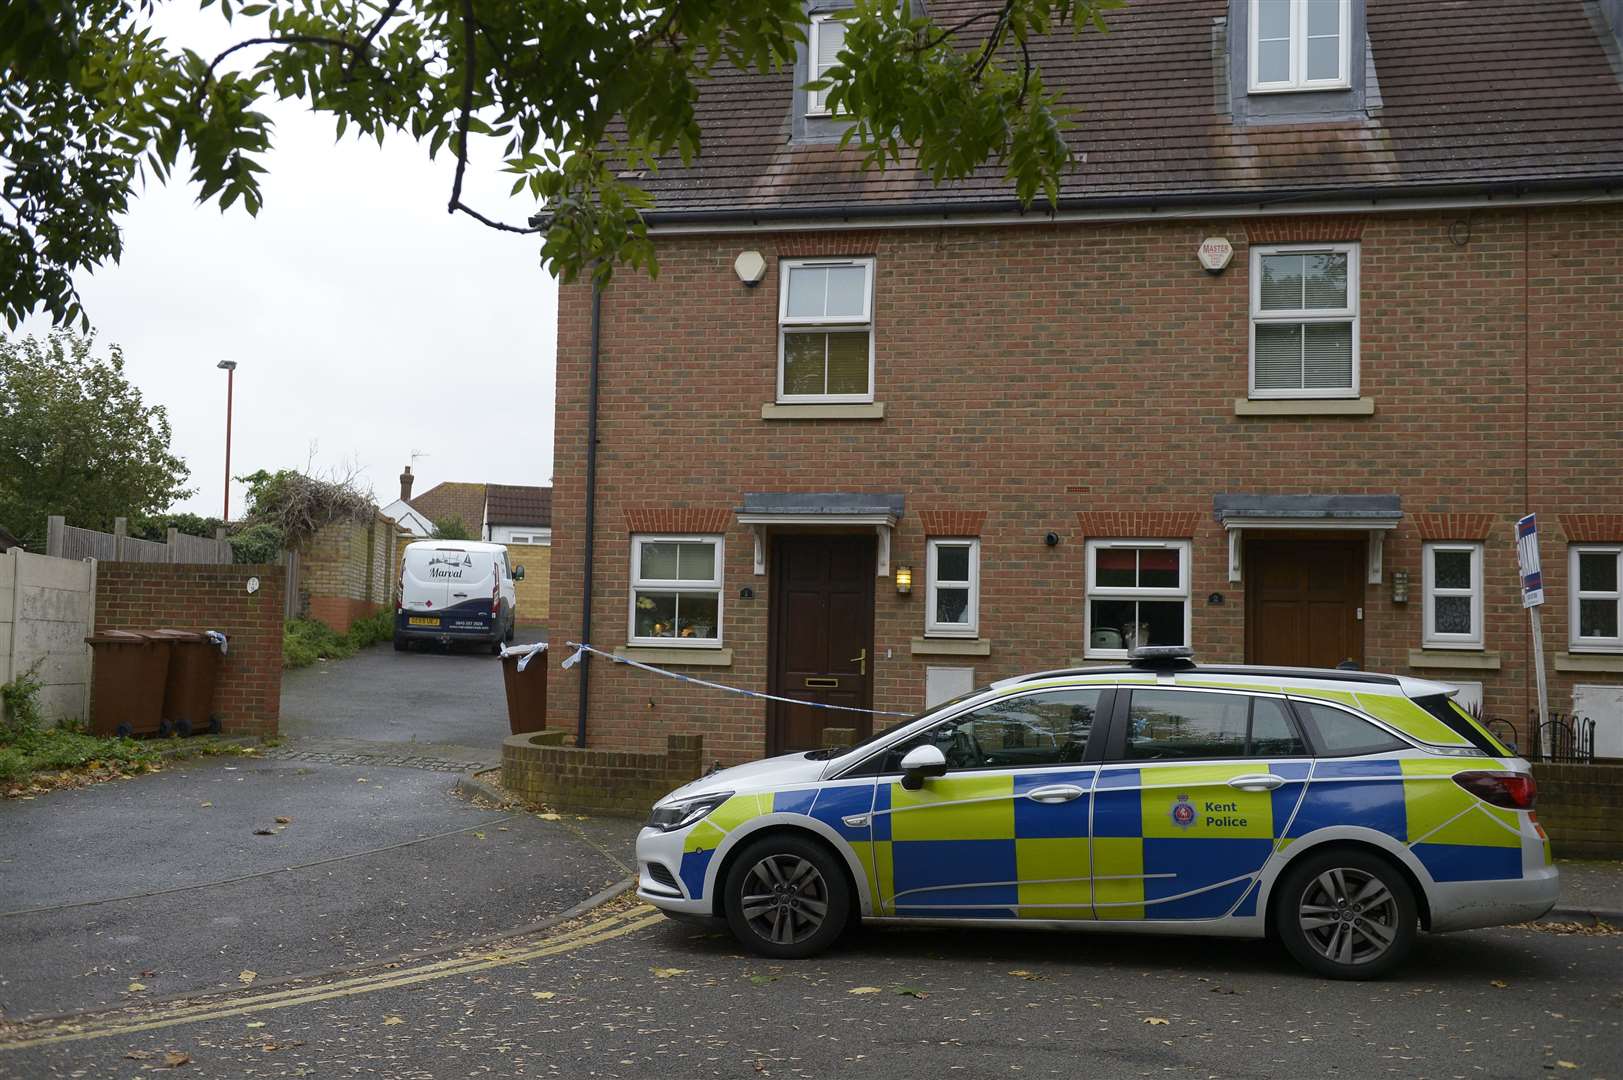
x=429, y=574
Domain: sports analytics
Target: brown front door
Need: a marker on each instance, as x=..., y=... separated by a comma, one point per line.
x=1304, y=599
x=822, y=637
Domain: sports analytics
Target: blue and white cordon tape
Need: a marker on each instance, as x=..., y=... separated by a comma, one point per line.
x=581, y=649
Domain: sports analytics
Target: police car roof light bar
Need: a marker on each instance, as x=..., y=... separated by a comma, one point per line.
x=1162, y=657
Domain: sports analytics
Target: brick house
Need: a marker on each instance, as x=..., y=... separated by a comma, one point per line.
x=867, y=441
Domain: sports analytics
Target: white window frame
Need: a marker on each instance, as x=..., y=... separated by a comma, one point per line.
x=970, y=629
x=1298, y=49
x=1305, y=315
x=1094, y=592
x=816, y=100
x=637, y=582
x=1430, y=638
x=831, y=324
x=1593, y=644
x=543, y=538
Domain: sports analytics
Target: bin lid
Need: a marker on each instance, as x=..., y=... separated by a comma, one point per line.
x=167, y=634
x=117, y=637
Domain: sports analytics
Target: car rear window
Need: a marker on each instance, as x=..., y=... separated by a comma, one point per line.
x=1443, y=708
x=1338, y=733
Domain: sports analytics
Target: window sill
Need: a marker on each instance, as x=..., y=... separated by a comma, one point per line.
x=1362, y=406
x=933, y=646
x=1454, y=659
x=860, y=411
x=1608, y=662
x=653, y=654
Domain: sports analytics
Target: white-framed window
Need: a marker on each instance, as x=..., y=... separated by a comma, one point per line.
x=675, y=590
x=824, y=40
x=1138, y=594
x=1453, y=591
x=953, y=589
x=1596, y=573
x=825, y=330
x=1300, y=45
x=543, y=537
x=1304, y=321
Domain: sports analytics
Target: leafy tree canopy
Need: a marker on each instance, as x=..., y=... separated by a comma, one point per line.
x=76, y=439
x=157, y=528
x=451, y=527
x=296, y=505
x=93, y=102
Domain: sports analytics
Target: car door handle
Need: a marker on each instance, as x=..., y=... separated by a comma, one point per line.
x=1055, y=793
x=1259, y=782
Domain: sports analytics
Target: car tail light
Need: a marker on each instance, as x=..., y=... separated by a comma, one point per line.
x=1513, y=791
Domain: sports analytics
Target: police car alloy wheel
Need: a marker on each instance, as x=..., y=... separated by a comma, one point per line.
x=786, y=897
x=1346, y=914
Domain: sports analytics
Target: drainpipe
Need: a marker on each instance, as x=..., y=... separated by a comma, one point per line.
x=591, y=512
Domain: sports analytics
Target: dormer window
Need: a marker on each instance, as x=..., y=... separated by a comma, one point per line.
x=823, y=44
x=1300, y=45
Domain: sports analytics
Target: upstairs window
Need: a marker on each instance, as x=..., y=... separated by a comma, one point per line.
x=824, y=41
x=1304, y=321
x=825, y=338
x=1300, y=45
x=1597, y=597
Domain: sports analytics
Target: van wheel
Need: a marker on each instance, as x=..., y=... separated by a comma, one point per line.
x=786, y=897
x=1346, y=914
x=510, y=631
x=399, y=643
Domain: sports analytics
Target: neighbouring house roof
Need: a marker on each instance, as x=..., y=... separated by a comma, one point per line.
x=518, y=504
x=466, y=501
x=409, y=518
x=1489, y=95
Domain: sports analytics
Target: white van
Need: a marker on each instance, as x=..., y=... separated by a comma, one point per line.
x=456, y=590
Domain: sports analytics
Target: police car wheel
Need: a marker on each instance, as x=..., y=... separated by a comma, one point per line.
x=786, y=897
x=1346, y=914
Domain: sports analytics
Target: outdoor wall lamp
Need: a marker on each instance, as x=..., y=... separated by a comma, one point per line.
x=904, y=579
x=1400, y=586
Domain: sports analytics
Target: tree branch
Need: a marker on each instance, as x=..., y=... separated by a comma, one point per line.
x=502, y=226
x=371, y=35
x=281, y=39
x=470, y=30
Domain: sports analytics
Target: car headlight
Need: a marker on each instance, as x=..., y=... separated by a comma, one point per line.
x=679, y=815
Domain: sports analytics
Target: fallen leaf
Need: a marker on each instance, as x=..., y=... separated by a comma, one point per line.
x=174, y=1059
x=137, y=1055
x=543, y=995
x=668, y=973
x=863, y=990
x=1156, y=1021
x=762, y=980
x=1567, y=1064
x=1500, y=983
x=205, y=804
x=911, y=991
x=1022, y=973
x=360, y=779
x=478, y=836
x=391, y=1021
x=264, y=832
x=284, y=821
x=137, y=987
x=550, y=817
x=256, y=1023
x=495, y=956
x=245, y=976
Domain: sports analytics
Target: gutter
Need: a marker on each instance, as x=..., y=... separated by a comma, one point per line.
x=1128, y=207
x=591, y=513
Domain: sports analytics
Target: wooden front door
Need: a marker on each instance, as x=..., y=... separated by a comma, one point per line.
x=821, y=646
x=1304, y=602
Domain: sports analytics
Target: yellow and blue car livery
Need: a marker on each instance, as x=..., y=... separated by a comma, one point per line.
x=1122, y=833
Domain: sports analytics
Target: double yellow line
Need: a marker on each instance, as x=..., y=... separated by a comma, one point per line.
x=93, y=1026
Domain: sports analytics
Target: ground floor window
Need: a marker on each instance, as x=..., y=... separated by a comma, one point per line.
x=1137, y=594
x=676, y=590
x=1453, y=579
x=953, y=600
x=1597, y=597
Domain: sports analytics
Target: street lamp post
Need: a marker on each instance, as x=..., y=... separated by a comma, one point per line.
x=230, y=369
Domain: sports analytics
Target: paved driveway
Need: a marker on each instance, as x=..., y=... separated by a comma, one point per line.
x=418, y=700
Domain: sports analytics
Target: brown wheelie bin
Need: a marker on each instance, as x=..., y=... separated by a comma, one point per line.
x=527, y=689
x=128, y=672
x=194, y=668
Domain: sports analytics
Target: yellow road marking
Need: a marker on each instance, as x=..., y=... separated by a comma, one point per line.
x=616, y=926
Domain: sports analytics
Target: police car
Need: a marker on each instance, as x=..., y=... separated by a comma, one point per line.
x=1338, y=811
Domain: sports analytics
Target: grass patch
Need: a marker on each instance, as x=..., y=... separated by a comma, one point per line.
x=304, y=641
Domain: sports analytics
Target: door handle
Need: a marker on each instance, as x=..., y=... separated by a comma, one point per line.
x=861, y=661
x=1055, y=793
x=1258, y=782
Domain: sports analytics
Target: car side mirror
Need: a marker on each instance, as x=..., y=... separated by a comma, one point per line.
x=920, y=763
x=518, y=572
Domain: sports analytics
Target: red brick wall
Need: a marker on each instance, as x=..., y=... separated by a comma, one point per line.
x=147, y=596
x=1040, y=373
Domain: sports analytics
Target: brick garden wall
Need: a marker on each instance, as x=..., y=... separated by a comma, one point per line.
x=349, y=571
x=535, y=591
x=1581, y=807
x=1057, y=377
x=131, y=596
x=620, y=783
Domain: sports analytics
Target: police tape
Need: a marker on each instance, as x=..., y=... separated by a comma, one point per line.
x=525, y=653
x=582, y=649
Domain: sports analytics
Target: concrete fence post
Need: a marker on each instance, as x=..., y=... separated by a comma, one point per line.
x=121, y=528
x=172, y=541
x=223, y=547
x=55, y=535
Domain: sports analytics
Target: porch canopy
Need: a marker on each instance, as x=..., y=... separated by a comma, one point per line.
x=1374, y=514
x=821, y=508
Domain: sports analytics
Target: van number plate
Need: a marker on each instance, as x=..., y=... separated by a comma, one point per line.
x=415, y=621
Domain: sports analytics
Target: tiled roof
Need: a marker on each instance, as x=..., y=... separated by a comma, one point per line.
x=514, y=504
x=1500, y=92
x=466, y=501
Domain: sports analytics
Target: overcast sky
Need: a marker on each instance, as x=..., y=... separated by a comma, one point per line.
x=366, y=322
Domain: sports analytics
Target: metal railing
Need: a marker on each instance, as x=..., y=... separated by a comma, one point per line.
x=1569, y=738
